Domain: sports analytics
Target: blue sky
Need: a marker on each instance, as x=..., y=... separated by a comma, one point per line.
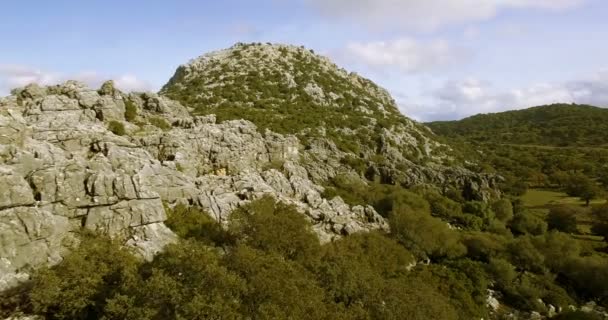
x=441, y=59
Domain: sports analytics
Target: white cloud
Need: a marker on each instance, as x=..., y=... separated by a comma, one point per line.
x=404, y=55
x=428, y=14
x=14, y=76
x=458, y=99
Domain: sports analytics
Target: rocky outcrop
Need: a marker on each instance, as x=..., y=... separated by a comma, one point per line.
x=64, y=168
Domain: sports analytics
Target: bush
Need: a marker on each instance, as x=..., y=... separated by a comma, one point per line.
x=160, y=123
x=117, y=128
x=275, y=227
x=424, y=235
x=130, y=110
x=563, y=218
x=192, y=222
x=276, y=288
x=503, y=209
x=80, y=286
x=187, y=281
x=525, y=222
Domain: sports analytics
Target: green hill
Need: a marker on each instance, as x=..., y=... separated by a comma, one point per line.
x=551, y=125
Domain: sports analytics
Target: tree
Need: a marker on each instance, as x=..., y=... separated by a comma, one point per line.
x=524, y=222
x=600, y=223
x=583, y=187
x=187, y=281
x=276, y=288
x=563, y=218
x=503, y=210
x=423, y=234
x=79, y=287
x=590, y=192
x=270, y=226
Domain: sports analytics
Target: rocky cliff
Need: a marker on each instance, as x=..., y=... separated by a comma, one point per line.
x=62, y=168
x=245, y=122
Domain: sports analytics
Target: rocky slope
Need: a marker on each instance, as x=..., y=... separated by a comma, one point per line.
x=74, y=158
x=62, y=169
x=344, y=121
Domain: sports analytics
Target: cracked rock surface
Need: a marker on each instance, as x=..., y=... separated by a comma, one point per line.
x=63, y=170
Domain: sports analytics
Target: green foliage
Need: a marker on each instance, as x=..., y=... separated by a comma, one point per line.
x=268, y=264
x=117, y=128
x=276, y=288
x=526, y=222
x=577, y=315
x=462, y=284
x=423, y=234
x=563, y=218
x=275, y=227
x=79, y=287
x=583, y=187
x=552, y=125
x=130, y=110
x=187, y=281
x=160, y=123
x=192, y=222
x=503, y=209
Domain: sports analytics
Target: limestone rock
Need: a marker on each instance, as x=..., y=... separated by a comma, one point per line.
x=62, y=170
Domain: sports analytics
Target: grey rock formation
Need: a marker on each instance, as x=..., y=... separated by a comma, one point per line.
x=62, y=170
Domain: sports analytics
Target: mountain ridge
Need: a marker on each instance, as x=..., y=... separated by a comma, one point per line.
x=553, y=125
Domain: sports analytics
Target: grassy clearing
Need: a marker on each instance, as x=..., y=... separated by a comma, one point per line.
x=544, y=199
x=541, y=200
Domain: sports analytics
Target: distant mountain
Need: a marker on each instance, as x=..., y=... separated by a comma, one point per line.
x=551, y=125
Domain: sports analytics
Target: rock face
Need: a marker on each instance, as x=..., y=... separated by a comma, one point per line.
x=62, y=169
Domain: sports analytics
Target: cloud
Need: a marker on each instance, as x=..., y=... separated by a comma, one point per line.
x=405, y=55
x=427, y=14
x=14, y=76
x=243, y=29
x=459, y=99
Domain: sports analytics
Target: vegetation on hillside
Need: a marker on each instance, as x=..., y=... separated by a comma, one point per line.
x=551, y=125
x=268, y=264
x=290, y=90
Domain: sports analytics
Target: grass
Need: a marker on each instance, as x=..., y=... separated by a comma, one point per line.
x=545, y=198
x=541, y=200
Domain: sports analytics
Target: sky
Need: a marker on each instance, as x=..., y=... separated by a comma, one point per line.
x=440, y=59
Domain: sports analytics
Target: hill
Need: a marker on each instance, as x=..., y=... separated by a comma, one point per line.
x=551, y=125
x=338, y=116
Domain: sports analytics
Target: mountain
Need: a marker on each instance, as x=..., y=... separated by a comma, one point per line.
x=551, y=125
x=337, y=115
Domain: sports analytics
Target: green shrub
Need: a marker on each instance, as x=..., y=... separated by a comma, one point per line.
x=160, y=123
x=527, y=223
x=424, y=235
x=192, y=222
x=79, y=287
x=276, y=288
x=186, y=281
x=117, y=128
x=274, y=227
x=563, y=218
x=130, y=110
